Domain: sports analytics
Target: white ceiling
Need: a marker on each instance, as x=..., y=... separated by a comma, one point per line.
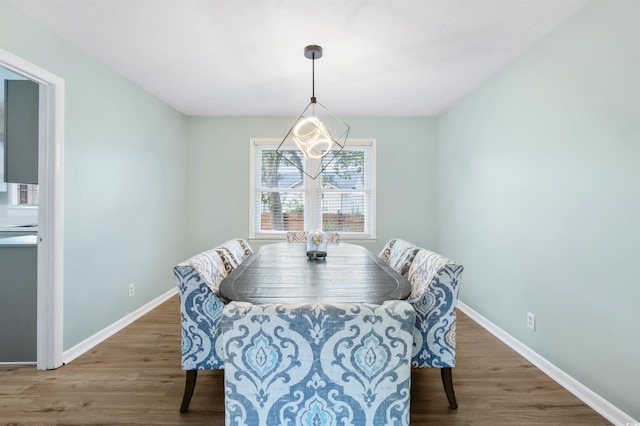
x=243, y=57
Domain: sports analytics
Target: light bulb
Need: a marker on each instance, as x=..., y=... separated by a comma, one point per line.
x=312, y=138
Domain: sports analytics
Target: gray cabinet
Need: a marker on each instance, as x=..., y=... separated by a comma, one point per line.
x=18, y=298
x=21, y=107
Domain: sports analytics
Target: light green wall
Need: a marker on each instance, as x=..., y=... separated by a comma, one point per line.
x=124, y=167
x=538, y=196
x=218, y=176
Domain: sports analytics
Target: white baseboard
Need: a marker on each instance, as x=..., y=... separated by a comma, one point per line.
x=586, y=395
x=109, y=331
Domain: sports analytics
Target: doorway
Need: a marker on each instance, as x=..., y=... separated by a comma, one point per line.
x=50, y=209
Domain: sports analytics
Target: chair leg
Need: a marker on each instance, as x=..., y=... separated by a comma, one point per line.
x=447, y=381
x=189, y=386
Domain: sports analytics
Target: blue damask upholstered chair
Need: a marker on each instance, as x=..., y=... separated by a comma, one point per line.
x=198, y=281
x=399, y=254
x=434, y=295
x=325, y=364
x=301, y=237
x=233, y=253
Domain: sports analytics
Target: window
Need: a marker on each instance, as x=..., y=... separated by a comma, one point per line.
x=22, y=195
x=341, y=199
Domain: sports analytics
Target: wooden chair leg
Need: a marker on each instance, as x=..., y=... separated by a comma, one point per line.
x=190, y=384
x=447, y=381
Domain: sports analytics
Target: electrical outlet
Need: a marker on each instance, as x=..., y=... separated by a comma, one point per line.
x=131, y=290
x=531, y=321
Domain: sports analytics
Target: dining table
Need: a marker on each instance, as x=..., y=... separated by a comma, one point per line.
x=283, y=273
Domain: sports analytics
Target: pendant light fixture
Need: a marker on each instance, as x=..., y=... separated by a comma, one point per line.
x=318, y=134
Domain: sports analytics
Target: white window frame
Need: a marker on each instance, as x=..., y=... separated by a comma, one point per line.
x=312, y=188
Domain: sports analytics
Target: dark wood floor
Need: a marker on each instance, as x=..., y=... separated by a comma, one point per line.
x=135, y=378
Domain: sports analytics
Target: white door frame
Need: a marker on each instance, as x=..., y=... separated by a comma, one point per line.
x=50, y=208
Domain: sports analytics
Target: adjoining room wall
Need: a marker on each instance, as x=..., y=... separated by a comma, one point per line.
x=538, y=196
x=124, y=167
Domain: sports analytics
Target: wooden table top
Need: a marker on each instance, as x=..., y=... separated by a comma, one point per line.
x=282, y=273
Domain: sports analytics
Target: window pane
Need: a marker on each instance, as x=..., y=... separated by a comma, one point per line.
x=282, y=211
x=27, y=195
x=346, y=171
x=280, y=173
x=343, y=212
